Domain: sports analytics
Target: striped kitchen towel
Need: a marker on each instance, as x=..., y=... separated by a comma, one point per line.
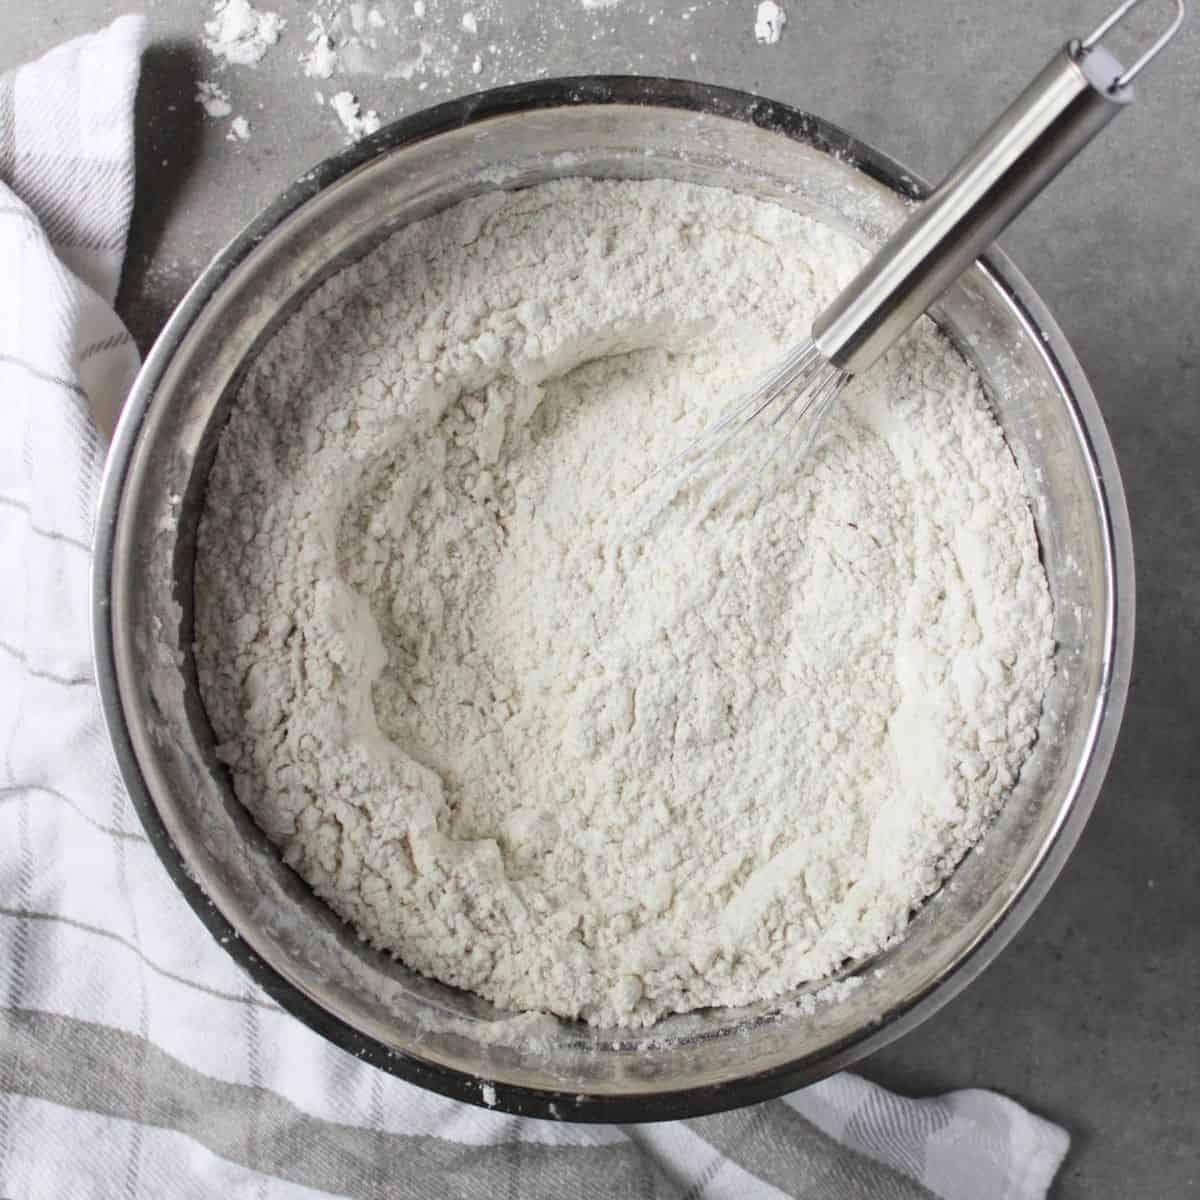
x=135, y=1059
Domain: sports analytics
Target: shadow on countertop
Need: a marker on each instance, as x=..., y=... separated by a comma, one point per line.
x=167, y=136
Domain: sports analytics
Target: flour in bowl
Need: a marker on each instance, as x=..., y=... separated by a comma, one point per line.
x=606, y=776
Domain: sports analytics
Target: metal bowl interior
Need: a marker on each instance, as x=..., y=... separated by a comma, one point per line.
x=264, y=914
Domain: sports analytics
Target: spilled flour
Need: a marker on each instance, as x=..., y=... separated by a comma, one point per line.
x=769, y=22
x=603, y=776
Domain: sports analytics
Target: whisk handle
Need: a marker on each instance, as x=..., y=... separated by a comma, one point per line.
x=1079, y=91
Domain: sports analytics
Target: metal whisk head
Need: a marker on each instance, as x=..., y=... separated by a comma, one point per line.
x=784, y=406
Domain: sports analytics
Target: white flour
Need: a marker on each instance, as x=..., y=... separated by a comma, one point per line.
x=355, y=121
x=389, y=54
x=321, y=58
x=570, y=771
x=376, y=51
x=769, y=22
x=239, y=34
x=213, y=98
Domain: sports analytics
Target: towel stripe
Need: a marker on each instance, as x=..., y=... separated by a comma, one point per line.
x=790, y=1153
x=26, y=914
x=8, y=127
x=51, y=534
x=14, y=791
x=41, y=672
x=20, y=953
x=50, y=184
x=69, y=1061
x=108, y=343
x=45, y=376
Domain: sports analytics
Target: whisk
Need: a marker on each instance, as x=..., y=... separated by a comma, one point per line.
x=1079, y=91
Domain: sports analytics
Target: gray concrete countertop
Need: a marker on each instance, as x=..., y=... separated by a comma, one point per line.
x=1092, y=1016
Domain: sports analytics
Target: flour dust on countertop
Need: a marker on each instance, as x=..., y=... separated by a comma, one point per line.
x=571, y=769
x=370, y=61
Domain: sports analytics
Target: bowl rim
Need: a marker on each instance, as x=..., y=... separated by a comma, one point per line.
x=662, y=1104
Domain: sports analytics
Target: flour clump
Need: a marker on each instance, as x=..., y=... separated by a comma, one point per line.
x=604, y=776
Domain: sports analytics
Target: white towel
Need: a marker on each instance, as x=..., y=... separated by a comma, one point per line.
x=135, y=1058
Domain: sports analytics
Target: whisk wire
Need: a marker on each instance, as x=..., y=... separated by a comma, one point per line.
x=803, y=383
x=808, y=402
x=758, y=397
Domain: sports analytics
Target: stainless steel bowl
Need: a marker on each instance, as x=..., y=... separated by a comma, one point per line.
x=234, y=879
